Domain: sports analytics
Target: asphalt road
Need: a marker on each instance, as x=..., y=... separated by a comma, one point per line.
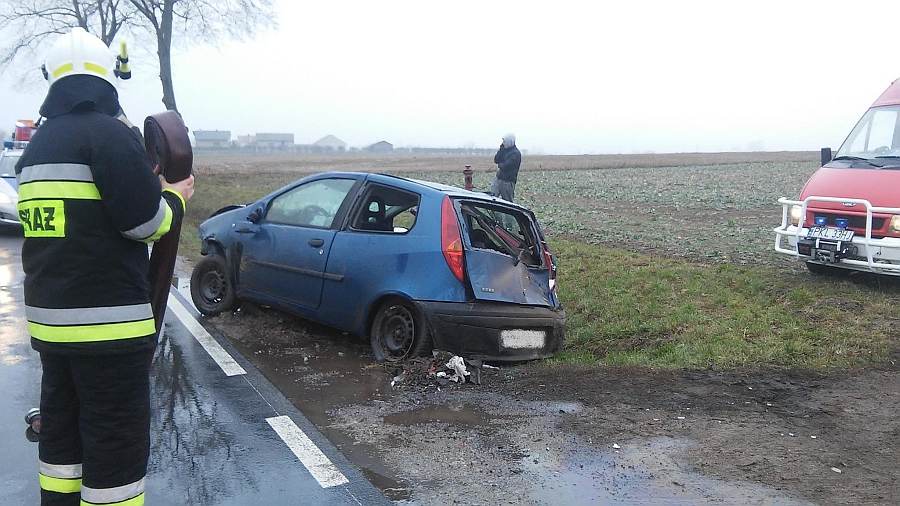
x=221, y=433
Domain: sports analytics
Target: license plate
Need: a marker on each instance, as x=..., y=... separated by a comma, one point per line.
x=830, y=233
x=522, y=338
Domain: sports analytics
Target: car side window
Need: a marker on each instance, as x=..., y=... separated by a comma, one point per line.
x=314, y=204
x=386, y=209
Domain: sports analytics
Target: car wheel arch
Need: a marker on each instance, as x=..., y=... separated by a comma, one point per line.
x=372, y=308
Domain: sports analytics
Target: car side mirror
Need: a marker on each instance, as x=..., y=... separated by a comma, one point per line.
x=255, y=215
x=826, y=156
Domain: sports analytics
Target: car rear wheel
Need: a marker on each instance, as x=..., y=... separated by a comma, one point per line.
x=398, y=332
x=211, y=289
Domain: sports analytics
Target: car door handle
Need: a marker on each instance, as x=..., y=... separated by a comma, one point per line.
x=246, y=228
x=316, y=243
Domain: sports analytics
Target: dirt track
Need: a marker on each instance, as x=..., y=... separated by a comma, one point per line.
x=538, y=435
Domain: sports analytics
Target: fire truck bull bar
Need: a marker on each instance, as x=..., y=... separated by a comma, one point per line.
x=878, y=252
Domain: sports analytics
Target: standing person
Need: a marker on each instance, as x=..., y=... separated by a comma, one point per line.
x=89, y=205
x=508, y=160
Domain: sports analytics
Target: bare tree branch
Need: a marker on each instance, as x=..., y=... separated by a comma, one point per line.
x=167, y=21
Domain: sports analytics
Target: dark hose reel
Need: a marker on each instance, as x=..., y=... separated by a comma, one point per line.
x=169, y=148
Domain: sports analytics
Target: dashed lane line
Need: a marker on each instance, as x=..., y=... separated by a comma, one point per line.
x=225, y=361
x=312, y=458
x=318, y=465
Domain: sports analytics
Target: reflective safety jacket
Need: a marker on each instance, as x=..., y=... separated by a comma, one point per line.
x=89, y=204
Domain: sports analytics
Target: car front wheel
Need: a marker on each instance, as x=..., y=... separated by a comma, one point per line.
x=398, y=332
x=211, y=289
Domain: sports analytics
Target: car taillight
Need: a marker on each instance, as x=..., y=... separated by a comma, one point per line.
x=548, y=259
x=451, y=242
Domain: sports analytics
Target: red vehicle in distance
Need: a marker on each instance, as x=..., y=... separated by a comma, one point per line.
x=848, y=213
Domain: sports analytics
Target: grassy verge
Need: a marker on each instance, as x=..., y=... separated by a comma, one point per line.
x=631, y=309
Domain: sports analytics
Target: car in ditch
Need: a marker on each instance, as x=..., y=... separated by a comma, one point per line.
x=412, y=265
x=9, y=187
x=848, y=213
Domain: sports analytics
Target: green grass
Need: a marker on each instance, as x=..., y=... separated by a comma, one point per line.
x=633, y=309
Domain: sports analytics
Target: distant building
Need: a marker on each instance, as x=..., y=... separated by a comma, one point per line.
x=212, y=139
x=274, y=141
x=380, y=147
x=244, y=141
x=330, y=143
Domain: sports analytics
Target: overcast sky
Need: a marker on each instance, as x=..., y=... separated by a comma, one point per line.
x=566, y=77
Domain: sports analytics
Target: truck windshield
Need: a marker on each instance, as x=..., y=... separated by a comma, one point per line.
x=876, y=137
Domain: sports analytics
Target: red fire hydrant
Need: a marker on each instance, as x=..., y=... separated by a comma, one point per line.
x=467, y=172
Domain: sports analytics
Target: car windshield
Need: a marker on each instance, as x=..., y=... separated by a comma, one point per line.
x=875, y=141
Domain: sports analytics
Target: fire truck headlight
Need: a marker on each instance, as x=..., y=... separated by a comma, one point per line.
x=895, y=224
x=796, y=213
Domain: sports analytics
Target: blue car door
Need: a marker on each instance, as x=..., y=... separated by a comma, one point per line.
x=285, y=254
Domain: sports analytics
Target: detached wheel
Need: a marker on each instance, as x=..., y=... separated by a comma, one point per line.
x=211, y=289
x=398, y=332
x=820, y=269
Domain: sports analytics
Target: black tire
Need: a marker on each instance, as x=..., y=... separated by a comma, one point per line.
x=398, y=332
x=211, y=288
x=820, y=269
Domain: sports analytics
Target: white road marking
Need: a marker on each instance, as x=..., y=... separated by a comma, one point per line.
x=184, y=288
x=318, y=465
x=215, y=350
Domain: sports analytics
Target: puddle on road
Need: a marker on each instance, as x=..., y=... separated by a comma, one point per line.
x=644, y=472
x=460, y=415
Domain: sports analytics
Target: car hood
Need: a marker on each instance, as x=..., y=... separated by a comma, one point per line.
x=878, y=186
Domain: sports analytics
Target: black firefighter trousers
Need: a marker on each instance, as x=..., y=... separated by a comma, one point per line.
x=95, y=428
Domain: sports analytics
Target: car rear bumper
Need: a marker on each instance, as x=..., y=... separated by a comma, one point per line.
x=476, y=329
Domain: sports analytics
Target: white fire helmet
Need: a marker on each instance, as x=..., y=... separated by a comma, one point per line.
x=79, y=53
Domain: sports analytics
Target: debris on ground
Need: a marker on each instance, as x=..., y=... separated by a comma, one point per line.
x=836, y=470
x=458, y=365
x=439, y=370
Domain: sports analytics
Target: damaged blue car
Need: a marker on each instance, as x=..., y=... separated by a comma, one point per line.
x=411, y=265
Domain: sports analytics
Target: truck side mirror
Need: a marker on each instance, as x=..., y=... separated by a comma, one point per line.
x=826, y=156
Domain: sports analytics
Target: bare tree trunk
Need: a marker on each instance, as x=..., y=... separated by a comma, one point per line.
x=164, y=51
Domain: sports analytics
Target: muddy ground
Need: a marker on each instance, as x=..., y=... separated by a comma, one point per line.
x=535, y=434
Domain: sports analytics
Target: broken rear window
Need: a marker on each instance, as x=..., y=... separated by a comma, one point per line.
x=501, y=229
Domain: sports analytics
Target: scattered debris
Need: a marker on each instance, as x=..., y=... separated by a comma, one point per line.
x=616, y=446
x=812, y=437
x=680, y=417
x=458, y=365
x=836, y=470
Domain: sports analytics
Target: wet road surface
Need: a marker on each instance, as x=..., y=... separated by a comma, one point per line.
x=221, y=434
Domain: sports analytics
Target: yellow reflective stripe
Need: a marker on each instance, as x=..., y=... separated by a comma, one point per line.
x=134, y=501
x=96, y=69
x=58, y=190
x=60, y=485
x=163, y=227
x=63, y=69
x=91, y=333
x=173, y=192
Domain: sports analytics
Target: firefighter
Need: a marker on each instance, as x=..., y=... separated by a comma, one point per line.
x=90, y=204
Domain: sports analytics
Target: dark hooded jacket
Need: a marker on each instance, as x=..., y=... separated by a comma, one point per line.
x=508, y=161
x=89, y=205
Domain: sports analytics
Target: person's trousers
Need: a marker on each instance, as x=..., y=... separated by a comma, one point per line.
x=95, y=429
x=504, y=189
